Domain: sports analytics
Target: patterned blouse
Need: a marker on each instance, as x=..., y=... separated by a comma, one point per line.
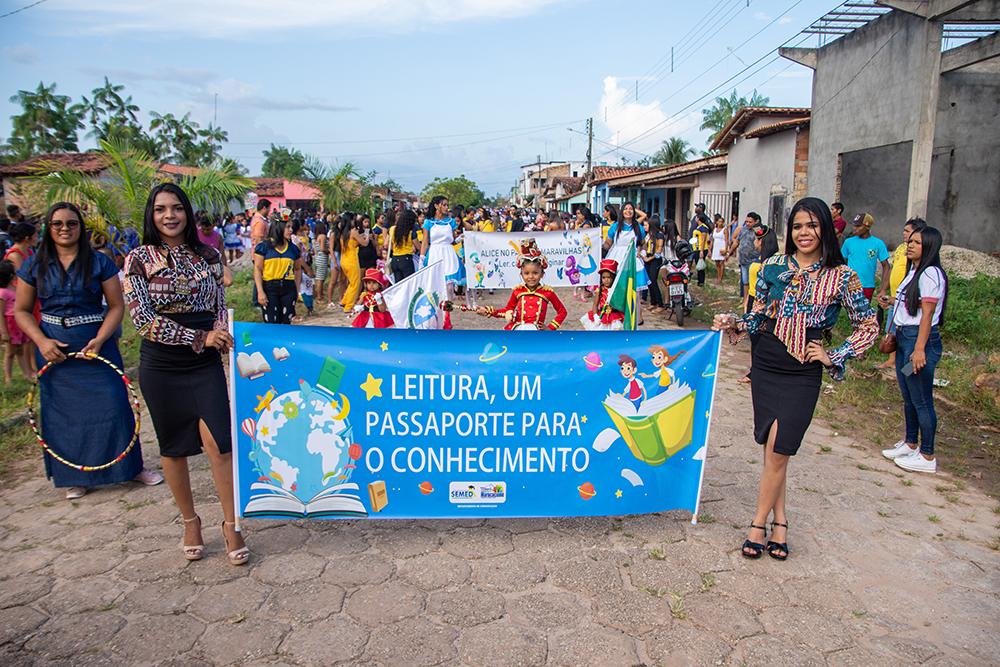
x=161, y=280
x=797, y=301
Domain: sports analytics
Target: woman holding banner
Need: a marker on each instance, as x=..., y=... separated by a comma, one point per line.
x=175, y=296
x=799, y=296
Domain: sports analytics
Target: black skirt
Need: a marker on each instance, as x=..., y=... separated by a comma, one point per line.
x=783, y=390
x=182, y=388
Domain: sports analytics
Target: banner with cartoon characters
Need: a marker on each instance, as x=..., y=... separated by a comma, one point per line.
x=573, y=257
x=392, y=423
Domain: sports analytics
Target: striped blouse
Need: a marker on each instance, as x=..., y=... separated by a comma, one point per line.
x=798, y=299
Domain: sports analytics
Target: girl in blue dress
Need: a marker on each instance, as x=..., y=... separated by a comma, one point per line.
x=86, y=413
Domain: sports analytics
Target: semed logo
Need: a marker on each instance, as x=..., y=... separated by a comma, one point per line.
x=484, y=493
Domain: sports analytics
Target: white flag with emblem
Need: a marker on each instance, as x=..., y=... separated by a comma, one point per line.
x=415, y=302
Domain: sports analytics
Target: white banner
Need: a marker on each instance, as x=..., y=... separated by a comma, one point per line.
x=415, y=301
x=573, y=256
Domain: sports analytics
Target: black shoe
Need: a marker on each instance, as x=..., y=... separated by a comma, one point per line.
x=777, y=550
x=753, y=550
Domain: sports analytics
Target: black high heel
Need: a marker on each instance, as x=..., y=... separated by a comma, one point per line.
x=774, y=547
x=756, y=549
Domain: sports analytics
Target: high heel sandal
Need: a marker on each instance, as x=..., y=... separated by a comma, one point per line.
x=756, y=549
x=193, y=551
x=237, y=556
x=774, y=547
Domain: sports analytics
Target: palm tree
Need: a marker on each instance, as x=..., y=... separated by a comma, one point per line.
x=108, y=110
x=717, y=117
x=118, y=195
x=47, y=123
x=673, y=151
x=342, y=188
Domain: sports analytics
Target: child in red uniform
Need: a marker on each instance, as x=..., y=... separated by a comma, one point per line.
x=528, y=303
x=603, y=316
x=371, y=311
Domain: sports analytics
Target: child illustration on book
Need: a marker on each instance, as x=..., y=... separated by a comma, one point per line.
x=654, y=427
x=662, y=360
x=635, y=391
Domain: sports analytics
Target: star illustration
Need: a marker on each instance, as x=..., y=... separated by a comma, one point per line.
x=372, y=387
x=618, y=493
x=263, y=431
x=584, y=419
x=384, y=346
x=708, y=414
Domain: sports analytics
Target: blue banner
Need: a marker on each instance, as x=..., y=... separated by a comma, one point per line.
x=388, y=423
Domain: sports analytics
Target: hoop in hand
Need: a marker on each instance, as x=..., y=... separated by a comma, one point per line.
x=134, y=398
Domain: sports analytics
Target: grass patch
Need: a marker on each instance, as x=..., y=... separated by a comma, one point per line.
x=707, y=581
x=934, y=518
x=825, y=449
x=657, y=554
x=906, y=482
x=677, y=606
x=868, y=402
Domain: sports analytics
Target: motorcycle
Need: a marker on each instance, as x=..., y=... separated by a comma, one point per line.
x=676, y=274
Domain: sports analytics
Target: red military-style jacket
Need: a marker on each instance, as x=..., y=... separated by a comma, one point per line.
x=605, y=313
x=531, y=307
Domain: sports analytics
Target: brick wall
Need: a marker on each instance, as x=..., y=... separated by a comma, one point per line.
x=800, y=181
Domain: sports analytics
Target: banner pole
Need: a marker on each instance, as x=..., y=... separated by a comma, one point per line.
x=708, y=429
x=232, y=424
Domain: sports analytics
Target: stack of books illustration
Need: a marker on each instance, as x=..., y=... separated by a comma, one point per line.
x=660, y=427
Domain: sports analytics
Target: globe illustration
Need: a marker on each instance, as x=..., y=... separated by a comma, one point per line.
x=301, y=443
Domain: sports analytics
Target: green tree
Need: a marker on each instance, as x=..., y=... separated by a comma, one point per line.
x=672, y=151
x=48, y=122
x=282, y=162
x=718, y=116
x=177, y=138
x=110, y=114
x=458, y=190
x=118, y=196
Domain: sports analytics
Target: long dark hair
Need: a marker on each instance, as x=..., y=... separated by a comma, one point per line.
x=819, y=211
x=151, y=235
x=403, y=228
x=930, y=255
x=432, y=207
x=636, y=229
x=276, y=233
x=45, y=253
x=612, y=212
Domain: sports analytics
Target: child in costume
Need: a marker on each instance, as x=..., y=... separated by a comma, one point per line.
x=372, y=313
x=603, y=317
x=528, y=304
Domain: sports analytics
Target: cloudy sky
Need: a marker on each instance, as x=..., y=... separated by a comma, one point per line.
x=416, y=88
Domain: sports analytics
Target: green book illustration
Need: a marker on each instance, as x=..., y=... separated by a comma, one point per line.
x=659, y=428
x=331, y=375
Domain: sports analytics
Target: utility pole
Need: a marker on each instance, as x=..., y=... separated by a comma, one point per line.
x=215, y=112
x=538, y=182
x=590, y=150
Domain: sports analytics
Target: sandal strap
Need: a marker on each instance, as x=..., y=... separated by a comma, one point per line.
x=192, y=519
x=753, y=525
x=776, y=523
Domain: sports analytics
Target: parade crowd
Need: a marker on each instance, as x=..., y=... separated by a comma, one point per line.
x=65, y=289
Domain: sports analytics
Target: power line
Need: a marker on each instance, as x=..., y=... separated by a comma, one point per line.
x=17, y=11
x=742, y=44
x=373, y=141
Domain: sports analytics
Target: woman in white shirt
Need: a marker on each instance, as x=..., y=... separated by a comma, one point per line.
x=917, y=314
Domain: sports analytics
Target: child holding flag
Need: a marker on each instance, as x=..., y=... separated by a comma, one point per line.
x=603, y=316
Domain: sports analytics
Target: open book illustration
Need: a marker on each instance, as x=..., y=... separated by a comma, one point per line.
x=276, y=501
x=253, y=365
x=660, y=427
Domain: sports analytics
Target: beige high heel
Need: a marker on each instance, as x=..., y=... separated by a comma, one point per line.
x=237, y=556
x=193, y=551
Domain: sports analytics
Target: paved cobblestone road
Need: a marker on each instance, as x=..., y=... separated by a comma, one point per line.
x=882, y=573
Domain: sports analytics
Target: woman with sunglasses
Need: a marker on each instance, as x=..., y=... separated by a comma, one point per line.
x=87, y=417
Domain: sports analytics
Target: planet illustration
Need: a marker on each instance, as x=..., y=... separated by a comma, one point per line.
x=586, y=490
x=354, y=451
x=426, y=488
x=492, y=352
x=593, y=361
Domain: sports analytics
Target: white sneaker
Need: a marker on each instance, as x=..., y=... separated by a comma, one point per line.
x=916, y=463
x=74, y=492
x=898, y=450
x=148, y=477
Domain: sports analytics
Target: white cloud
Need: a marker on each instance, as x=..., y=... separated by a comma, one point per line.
x=628, y=119
x=762, y=17
x=236, y=19
x=785, y=20
x=22, y=54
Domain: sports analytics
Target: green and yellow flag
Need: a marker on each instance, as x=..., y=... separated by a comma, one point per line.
x=623, y=292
